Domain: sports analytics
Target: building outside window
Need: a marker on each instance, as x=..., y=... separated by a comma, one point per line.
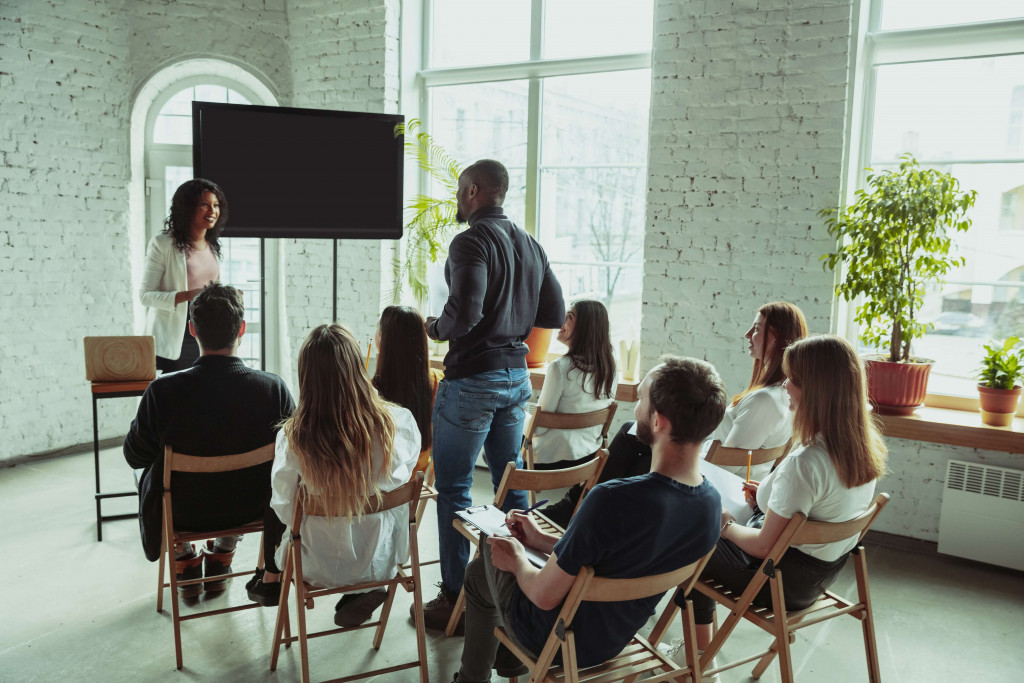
x=563, y=100
x=946, y=85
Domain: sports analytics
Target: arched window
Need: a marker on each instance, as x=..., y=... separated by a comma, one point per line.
x=162, y=127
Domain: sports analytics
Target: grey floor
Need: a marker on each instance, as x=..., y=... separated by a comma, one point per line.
x=72, y=609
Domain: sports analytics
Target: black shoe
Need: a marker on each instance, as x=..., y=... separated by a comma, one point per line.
x=355, y=609
x=507, y=665
x=561, y=512
x=266, y=594
x=187, y=568
x=216, y=564
x=438, y=611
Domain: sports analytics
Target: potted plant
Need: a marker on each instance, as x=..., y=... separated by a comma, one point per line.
x=431, y=220
x=999, y=388
x=895, y=238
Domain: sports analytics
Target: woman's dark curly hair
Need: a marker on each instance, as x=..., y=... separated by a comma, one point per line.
x=178, y=223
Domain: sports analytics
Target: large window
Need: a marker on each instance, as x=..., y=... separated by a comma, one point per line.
x=947, y=85
x=559, y=91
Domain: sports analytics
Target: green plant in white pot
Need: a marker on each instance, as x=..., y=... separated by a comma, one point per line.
x=999, y=381
x=893, y=240
x=430, y=222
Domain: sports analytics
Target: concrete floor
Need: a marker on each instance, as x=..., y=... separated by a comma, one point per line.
x=77, y=610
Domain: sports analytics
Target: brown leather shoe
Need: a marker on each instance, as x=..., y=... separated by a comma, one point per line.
x=189, y=568
x=216, y=564
x=438, y=611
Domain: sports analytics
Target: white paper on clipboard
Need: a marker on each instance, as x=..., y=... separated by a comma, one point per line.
x=491, y=520
x=730, y=488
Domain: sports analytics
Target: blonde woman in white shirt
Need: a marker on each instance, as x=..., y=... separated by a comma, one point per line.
x=348, y=445
x=830, y=477
x=581, y=381
x=759, y=416
x=180, y=261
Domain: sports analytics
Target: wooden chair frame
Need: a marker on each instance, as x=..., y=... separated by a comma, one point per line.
x=638, y=657
x=292, y=577
x=546, y=419
x=737, y=457
x=777, y=621
x=515, y=479
x=178, y=462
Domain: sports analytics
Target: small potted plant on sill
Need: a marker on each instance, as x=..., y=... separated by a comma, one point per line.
x=895, y=238
x=999, y=389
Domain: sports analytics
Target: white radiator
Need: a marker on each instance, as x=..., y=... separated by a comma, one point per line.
x=982, y=514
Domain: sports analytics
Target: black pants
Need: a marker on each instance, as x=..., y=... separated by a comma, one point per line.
x=627, y=457
x=805, y=578
x=189, y=354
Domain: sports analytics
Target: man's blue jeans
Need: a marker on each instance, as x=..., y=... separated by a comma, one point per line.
x=486, y=411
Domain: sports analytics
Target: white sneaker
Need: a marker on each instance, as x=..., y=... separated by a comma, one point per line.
x=674, y=651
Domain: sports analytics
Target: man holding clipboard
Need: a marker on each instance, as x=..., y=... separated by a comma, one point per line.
x=625, y=528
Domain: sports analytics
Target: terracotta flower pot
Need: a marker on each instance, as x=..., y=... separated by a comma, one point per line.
x=538, y=342
x=897, y=388
x=998, y=405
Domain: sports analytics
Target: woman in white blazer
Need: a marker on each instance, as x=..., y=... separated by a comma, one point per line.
x=180, y=261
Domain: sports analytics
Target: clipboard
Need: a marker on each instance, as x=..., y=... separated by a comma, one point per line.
x=490, y=520
x=730, y=488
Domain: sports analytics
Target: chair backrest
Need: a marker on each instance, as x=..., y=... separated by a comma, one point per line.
x=601, y=589
x=545, y=419
x=516, y=479
x=409, y=492
x=179, y=462
x=737, y=457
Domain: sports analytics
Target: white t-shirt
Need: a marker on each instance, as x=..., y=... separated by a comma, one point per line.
x=762, y=419
x=568, y=390
x=806, y=481
x=337, y=551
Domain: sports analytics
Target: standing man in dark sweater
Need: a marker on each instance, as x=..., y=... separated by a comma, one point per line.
x=500, y=287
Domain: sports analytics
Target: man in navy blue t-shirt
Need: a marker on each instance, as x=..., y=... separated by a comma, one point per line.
x=625, y=528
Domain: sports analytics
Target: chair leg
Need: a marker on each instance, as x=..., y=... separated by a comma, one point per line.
x=457, y=610
x=868, y=620
x=385, y=612
x=663, y=622
x=690, y=643
x=281, y=623
x=300, y=616
x=160, y=576
x=175, y=616
x=569, y=664
x=781, y=628
x=766, y=661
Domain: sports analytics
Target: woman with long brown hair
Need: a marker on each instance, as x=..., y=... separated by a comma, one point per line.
x=344, y=445
x=830, y=477
x=581, y=381
x=403, y=374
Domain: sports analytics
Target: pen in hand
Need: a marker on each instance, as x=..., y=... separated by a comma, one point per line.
x=529, y=509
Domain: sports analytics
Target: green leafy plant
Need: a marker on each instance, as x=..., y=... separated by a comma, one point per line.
x=893, y=240
x=1002, y=367
x=430, y=221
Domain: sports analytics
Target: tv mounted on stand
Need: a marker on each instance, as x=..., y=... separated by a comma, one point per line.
x=302, y=173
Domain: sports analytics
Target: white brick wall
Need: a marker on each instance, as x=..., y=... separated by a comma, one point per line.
x=63, y=215
x=747, y=108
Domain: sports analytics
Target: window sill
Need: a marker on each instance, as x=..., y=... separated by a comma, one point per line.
x=626, y=391
x=956, y=428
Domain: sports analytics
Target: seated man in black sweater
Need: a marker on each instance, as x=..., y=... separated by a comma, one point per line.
x=219, y=406
x=626, y=528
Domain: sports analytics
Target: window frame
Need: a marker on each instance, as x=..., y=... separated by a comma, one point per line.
x=878, y=48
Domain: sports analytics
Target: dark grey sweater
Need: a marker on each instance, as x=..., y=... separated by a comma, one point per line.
x=500, y=287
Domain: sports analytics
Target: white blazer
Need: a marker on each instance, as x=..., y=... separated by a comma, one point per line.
x=165, y=275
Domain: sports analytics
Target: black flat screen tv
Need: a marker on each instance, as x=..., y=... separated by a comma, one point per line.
x=302, y=173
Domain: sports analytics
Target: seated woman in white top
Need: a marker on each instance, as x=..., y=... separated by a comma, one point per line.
x=830, y=477
x=581, y=381
x=759, y=416
x=348, y=445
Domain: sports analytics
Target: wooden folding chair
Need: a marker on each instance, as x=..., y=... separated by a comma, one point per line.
x=777, y=621
x=292, y=578
x=515, y=479
x=551, y=420
x=427, y=493
x=638, y=657
x=177, y=462
x=737, y=457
